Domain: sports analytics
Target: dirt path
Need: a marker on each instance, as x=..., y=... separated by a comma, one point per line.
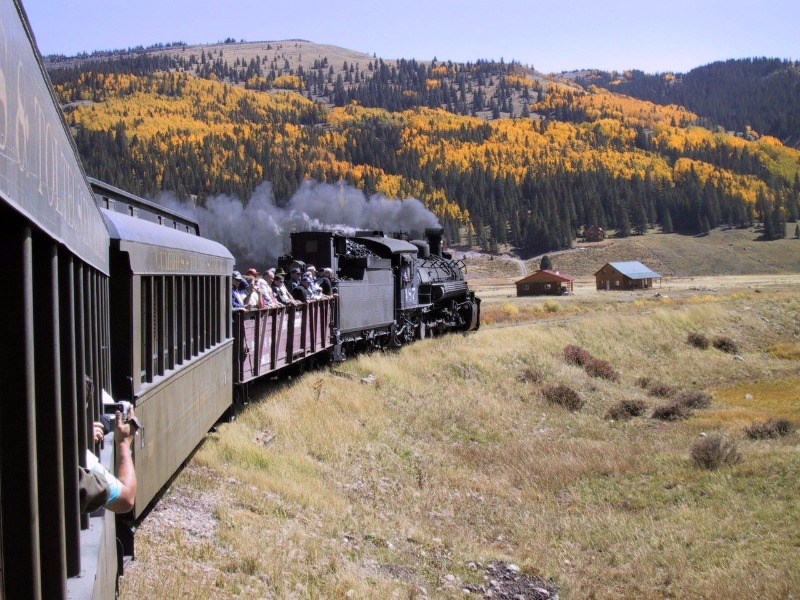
x=523, y=268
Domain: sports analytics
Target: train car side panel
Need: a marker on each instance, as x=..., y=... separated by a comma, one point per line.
x=176, y=414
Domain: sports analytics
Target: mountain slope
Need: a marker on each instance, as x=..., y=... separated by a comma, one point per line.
x=210, y=124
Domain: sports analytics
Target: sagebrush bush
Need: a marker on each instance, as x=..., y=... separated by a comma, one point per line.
x=532, y=375
x=713, y=452
x=693, y=399
x=601, y=368
x=671, y=412
x=563, y=396
x=575, y=355
x=770, y=429
x=661, y=390
x=626, y=409
x=726, y=344
x=698, y=340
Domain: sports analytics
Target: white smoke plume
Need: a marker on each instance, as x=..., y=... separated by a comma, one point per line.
x=256, y=234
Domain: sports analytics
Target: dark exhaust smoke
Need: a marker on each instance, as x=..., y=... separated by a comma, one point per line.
x=258, y=232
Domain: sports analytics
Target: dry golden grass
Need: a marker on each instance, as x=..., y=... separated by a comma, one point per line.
x=332, y=487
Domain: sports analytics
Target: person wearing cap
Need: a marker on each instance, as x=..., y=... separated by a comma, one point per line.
x=238, y=290
x=295, y=274
x=315, y=289
x=299, y=290
x=308, y=285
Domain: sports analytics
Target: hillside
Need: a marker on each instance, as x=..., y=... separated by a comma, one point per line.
x=721, y=252
x=761, y=94
x=488, y=463
x=500, y=155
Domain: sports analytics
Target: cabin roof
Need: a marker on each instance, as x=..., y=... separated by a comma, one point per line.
x=633, y=269
x=546, y=275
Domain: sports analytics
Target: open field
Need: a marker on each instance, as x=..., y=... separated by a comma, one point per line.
x=723, y=252
x=408, y=474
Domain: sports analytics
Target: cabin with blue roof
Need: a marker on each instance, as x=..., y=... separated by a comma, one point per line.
x=631, y=275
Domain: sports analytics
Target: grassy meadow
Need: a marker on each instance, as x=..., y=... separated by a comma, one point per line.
x=400, y=475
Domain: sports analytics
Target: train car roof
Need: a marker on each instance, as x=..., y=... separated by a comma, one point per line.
x=387, y=245
x=101, y=188
x=155, y=249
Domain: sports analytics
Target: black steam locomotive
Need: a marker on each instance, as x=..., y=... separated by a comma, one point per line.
x=106, y=288
x=389, y=291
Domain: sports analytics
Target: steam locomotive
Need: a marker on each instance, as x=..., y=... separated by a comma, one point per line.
x=107, y=291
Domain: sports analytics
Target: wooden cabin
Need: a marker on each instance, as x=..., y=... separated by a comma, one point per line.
x=545, y=282
x=594, y=233
x=631, y=275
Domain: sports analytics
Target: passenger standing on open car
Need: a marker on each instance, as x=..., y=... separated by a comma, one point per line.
x=267, y=293
x=305, y=285
x=294, y=282
x=238, y=290
x=324, y=281
x=280, y=290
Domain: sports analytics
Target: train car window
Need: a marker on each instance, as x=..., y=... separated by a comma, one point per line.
x=180, y=319
x=218, y=287
x=189, y=317
x=206, y=312
x=196, y=311
x=201, y=314
x=172, y=340
x=148, y=330
x=144, y=328
x=105, y=331
x=211, y=307
x=229, y=309
x=159, y=312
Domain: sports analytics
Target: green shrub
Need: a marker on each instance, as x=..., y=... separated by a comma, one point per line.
x=713, y=452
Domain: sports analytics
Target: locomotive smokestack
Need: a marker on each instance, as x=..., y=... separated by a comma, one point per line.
x=434, y=235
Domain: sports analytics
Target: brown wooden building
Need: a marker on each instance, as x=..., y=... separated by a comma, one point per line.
x=594, y=233
x=631, y=275
x=545, y=282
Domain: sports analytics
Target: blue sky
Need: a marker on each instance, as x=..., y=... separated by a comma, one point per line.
x=550, y=36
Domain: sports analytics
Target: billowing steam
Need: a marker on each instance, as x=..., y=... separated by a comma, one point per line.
x=258, y=233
